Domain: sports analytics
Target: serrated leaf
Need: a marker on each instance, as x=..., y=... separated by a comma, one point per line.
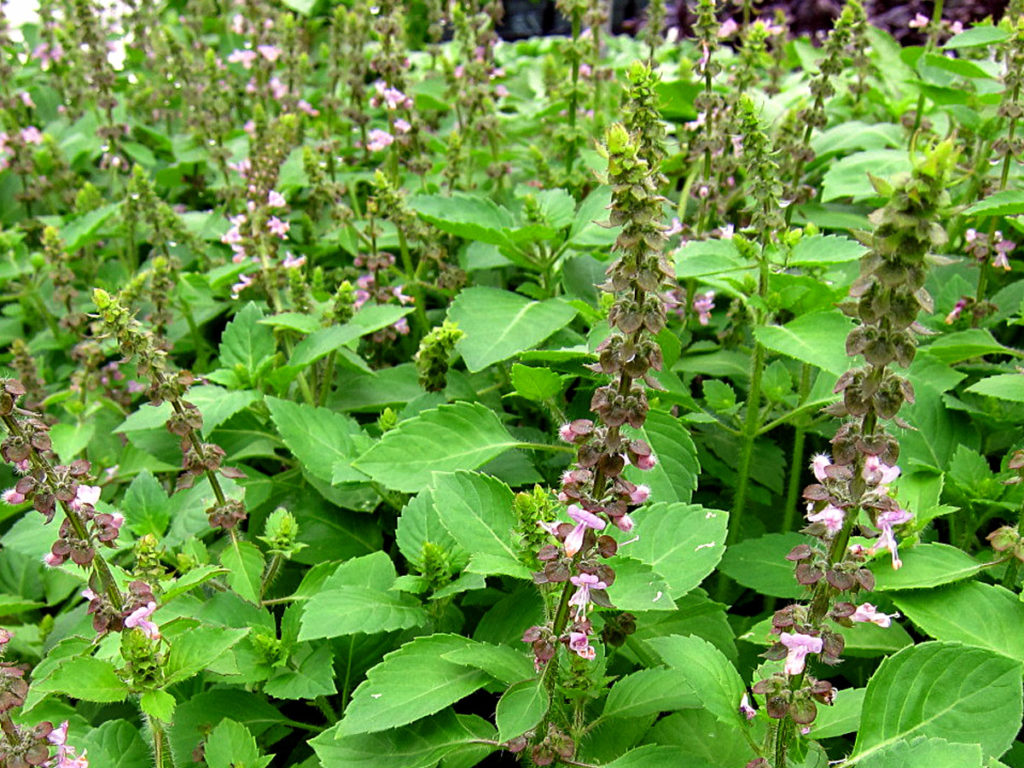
x=410, y=683
x=370, y=318
x=947, y=690
x=245, y=342
x=1005, y=386
x=926, y=565
x=982, y=615
x=350, y=605
x=503, y=663
x=825, y=249
x=682, y=542
x=979, y=35
x=535, y=384
x=478, y=515
x=321, y=439
x=842, y=717
x=420, y=523
x=244, y=563
x=86, y=678
x=1005, y=203
x=195, y=717
x=71, y=439
x=925, y=752
x=445, y=439
x=848, y=177
x=656, y=756
x=146, y=506
x=195, y=650
x=817, y=338
x=711, y=676
x=230, y=745
x=311, y=674
x=470, y=217
x=638, y=587
x=114, y=744
x=500, y=324
x=760, y=564
x=158, y=704
x=189, y=580
x=674, y=477
x=420, y=745
x=956, y=347
x=218, y=404
x=520, y=708
x=648, y=692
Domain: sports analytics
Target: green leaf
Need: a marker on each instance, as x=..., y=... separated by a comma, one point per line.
x=114, y=744
x=982, y=615
x=146, y=506
x=817, y=338
x=649, y=692
x=925, y=753
x=587, y=230
x=980, y=35
x=842, y=717
x=470, y=217
x=682, y=542
x=478, y=515
x=69, y=440
x=370, y=318
x=195, y=717
x=420, y=745
x=503, y=663
x=190, y=580
x=817, y=250
x=218, y=404
x=86, y=678
x=410, y=683
x=638, y=587
x=230, y=745
x=520, y=708
x=310, y=674
x=926, y=565
x=85, y=229
x=711, y=676
x=420, y=523
x=321, y=439
x=304, y=7
x=1005, y=386
x=960, y=67
x=196, y=649
x=1005, y=203
x=293, y=321
x=848, y=177
x=245, y=342
x=674, y=477
x=865, y=640
x=158, y=704
x=963, y=345
x=244, y=563
x=963, y=694
x=501, y=324
x=657, y=756
x=445, y=439
x=709, y=258
x=760, y=564
x=359, y=598
x=535, y=384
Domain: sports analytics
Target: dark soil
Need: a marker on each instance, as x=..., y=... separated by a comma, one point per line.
x=528, y=18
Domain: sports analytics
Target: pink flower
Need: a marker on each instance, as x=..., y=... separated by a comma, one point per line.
x=293, y=262
x=12, y=497
x=703, y=303
x=86, y=494
x=831, y=516
x=269, y=52
x=379, y=140
x=275, y=199
x=402, y=126
x=799, y=646
x=575, y=430
x=877, y=473
x=728, y=29
x=26, y=99
x=958, y=308
x=584, y=520
x=500, y=91
x=244, y=281
x=307, y=108
x=31, y=135
x=639, y=495
x=745, y=709
x=868, y=613
x=5, y=637
x=819, y=463
x=278, y=88
x=401, y=325
x=920, y=21
x=579, y=643
x=238, y=24
x=581, y=597
x=139, y=619
x=956, y=27
x=624, y=523
x=646, y=462
x=243, y=56
x=885, y=522
x=585, y=70
x=278, y=227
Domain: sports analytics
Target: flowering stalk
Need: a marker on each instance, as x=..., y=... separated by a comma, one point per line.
x=856, y=479
x=594, y=490
x=199, y=458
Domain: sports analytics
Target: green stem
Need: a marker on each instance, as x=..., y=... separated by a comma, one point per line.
x=570, y=156
x=326, y=375
x=796, y=464
x=936, y=19
x=161, y=755
x=751, y=425
x=271, y=573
